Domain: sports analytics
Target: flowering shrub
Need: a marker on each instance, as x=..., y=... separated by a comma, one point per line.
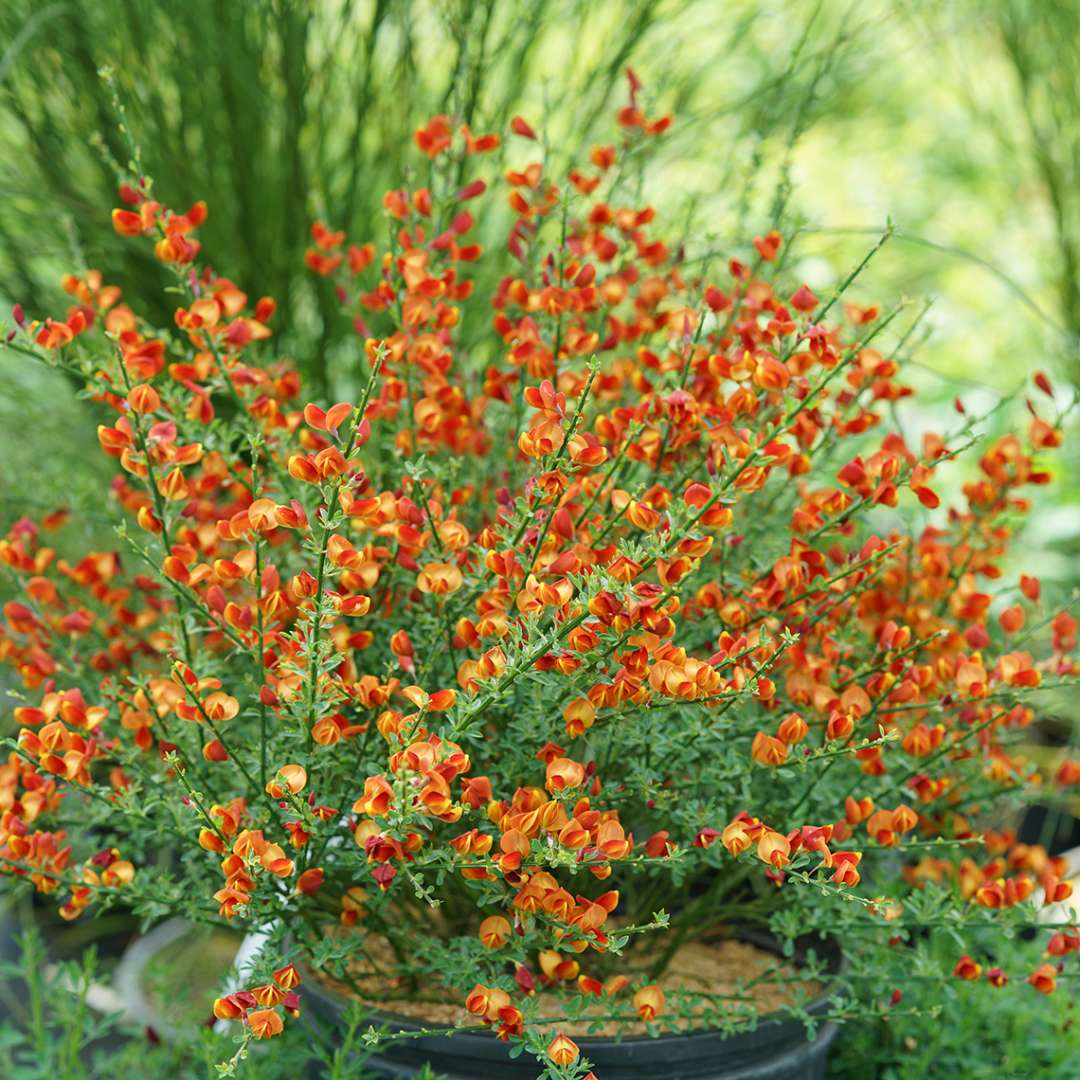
x=574, y=634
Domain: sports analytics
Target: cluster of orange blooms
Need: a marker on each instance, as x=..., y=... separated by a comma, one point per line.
x=265, y=1021
x=632, y=523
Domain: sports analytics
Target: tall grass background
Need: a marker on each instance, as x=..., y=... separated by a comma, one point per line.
x=276, y=112
x=959, y=120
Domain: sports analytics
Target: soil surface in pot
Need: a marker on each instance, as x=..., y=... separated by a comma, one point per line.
x=740, y=978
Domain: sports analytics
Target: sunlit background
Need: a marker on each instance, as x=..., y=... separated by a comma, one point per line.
x=955, y=121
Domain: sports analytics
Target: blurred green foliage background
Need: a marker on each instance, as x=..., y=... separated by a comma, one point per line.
x=958, y=120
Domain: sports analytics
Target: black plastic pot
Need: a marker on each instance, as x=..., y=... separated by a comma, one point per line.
x=1055, y=827
x=777, y=1049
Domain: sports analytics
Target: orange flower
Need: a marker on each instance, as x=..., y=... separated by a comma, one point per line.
x=562, y=773
x=767, y=750
x=310, y=881
x=774, y=849
x=265, y=1023
x=220, y=706
x=793, y=729
x=377, y=798
x=487, y=1002
x=1044, y=978
x=554, y=966
x=736, y=837
x=439, y=579
x=267, y=995
x=844, y=868
x=292, y=778
x=563, y=1050
x=144, y=399
x=229, y=1008
x=274, y=859
x=966, y=968
x=495, y=932
x=288, y=978
x=352, y=905
x=649, y=1002
x=1012, y=619
x=1054, y=889
x=210, y=841
x=579, y=716
x=330, y=420
x=882, y=827
x=215, y=751
x=435, y=137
